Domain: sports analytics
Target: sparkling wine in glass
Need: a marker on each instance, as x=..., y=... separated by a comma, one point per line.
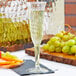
x=36, y=16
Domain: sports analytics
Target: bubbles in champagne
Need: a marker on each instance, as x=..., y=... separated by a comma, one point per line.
x=36, y=26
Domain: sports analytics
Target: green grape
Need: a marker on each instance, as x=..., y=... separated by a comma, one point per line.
x=57, y=43
x=59, y=35
x=53, y=39
x=58, y=49
x=62, y=44
x=49, y=42
x=71, y=35
x=45, y=47
x=73, y=49
x=1, y=14
x=65, y=37
x=51, y=48
x=70, y=42
x=74, y=38
x=65, y=49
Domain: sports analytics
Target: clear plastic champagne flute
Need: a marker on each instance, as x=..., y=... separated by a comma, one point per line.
x=36, y=16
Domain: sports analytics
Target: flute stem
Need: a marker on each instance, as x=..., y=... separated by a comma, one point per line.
x=37, y=56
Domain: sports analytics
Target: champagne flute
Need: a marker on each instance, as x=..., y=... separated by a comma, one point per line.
x=36, y=16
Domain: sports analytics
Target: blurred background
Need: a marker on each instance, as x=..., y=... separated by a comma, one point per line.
x=15, y=13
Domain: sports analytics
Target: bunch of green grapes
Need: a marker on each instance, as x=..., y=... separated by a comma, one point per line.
x=13, y=31
x=0, y=14
x=62, y=42
x=53, y=45
x=70, y=46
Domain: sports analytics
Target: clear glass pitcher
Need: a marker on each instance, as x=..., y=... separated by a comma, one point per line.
x=54, y=16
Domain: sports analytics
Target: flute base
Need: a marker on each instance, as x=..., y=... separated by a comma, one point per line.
x=28, y=68
x=38, y=70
